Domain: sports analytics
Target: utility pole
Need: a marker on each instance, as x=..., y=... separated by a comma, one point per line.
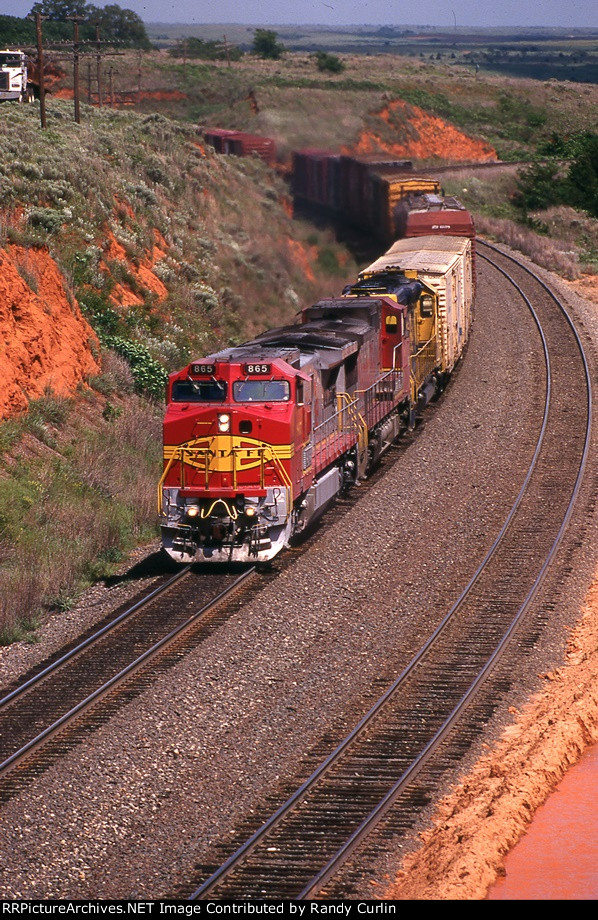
x=139, y=78
x=37, y=18
x=99, y=63
x=76, y=20
x=111, y=84
x=89, y=82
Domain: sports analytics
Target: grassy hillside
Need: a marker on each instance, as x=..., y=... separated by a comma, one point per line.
x=293, y=102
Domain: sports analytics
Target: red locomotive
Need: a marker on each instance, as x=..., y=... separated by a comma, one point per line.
x=260, y=438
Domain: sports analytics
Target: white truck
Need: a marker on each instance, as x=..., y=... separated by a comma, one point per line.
x=14, y=83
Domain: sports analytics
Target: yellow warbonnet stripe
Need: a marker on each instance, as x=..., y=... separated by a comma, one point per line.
x=220, y=450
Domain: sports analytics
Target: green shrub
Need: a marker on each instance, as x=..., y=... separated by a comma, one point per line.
x=544, y=184
x=47, y=219
x=538, y=187
x=100, y=312
x=329, y=62
x=266, y=46
x=328, y=261
x=582, y=180
x=192, y=47
x=149, y=375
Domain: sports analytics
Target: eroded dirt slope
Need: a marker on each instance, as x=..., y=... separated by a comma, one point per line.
x=45, y=342
x=405, y=130
x=482, y=819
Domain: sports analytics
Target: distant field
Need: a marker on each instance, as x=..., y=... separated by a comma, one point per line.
x=539, y=54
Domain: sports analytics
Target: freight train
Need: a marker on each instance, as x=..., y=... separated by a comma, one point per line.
x=260, y=438
x=378, y=193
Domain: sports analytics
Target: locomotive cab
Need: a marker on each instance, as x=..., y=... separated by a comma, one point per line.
x=232, y=433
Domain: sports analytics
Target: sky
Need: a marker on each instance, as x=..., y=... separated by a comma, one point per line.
x=445, y=13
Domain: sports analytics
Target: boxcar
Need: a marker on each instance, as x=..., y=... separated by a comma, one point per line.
x=444, y=263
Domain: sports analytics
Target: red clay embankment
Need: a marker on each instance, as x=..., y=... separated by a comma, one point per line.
x=45, y=342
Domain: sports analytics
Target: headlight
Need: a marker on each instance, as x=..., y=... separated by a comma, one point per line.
x=224, y=421
x=192, y=511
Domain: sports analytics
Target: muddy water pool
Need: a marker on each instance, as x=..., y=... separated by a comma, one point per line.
x=557, y=859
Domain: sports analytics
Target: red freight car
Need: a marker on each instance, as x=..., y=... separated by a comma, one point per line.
x=244, y=145
x=217, y=138
x=423, y=214
x=316, y=178
x=241, y=144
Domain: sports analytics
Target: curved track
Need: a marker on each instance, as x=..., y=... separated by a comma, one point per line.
x=370, y=776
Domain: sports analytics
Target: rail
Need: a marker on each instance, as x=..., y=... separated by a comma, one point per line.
x=161, y=646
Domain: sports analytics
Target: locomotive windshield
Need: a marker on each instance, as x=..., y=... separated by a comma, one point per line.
x=199, y=391
x=261, y=391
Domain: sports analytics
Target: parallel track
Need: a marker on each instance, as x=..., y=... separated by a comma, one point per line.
x=299, y=850
x=36, y=716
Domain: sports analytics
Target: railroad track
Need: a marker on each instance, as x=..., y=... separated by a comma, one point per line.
x=74, y=692
x=58, y=704
x=385, y=769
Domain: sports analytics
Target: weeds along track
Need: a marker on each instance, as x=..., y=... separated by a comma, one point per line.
x=376, y=781
x=59, y=704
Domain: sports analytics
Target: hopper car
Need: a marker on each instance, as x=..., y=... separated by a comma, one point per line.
x=260, y=438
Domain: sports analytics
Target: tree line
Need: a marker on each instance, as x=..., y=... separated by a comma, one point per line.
x=121, y=26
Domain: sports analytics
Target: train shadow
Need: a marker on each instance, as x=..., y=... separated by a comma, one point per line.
x=157, y=563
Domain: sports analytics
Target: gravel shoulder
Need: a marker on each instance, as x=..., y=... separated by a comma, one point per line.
x=133, y=810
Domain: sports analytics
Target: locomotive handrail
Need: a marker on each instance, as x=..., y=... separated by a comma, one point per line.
x=161, y=483
x=373, y=409
x=352, y=406
x=180, y=451
x=416, y=354
x=228, y=507
x=335, y=431
x=284, y=476
x=426, y=361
